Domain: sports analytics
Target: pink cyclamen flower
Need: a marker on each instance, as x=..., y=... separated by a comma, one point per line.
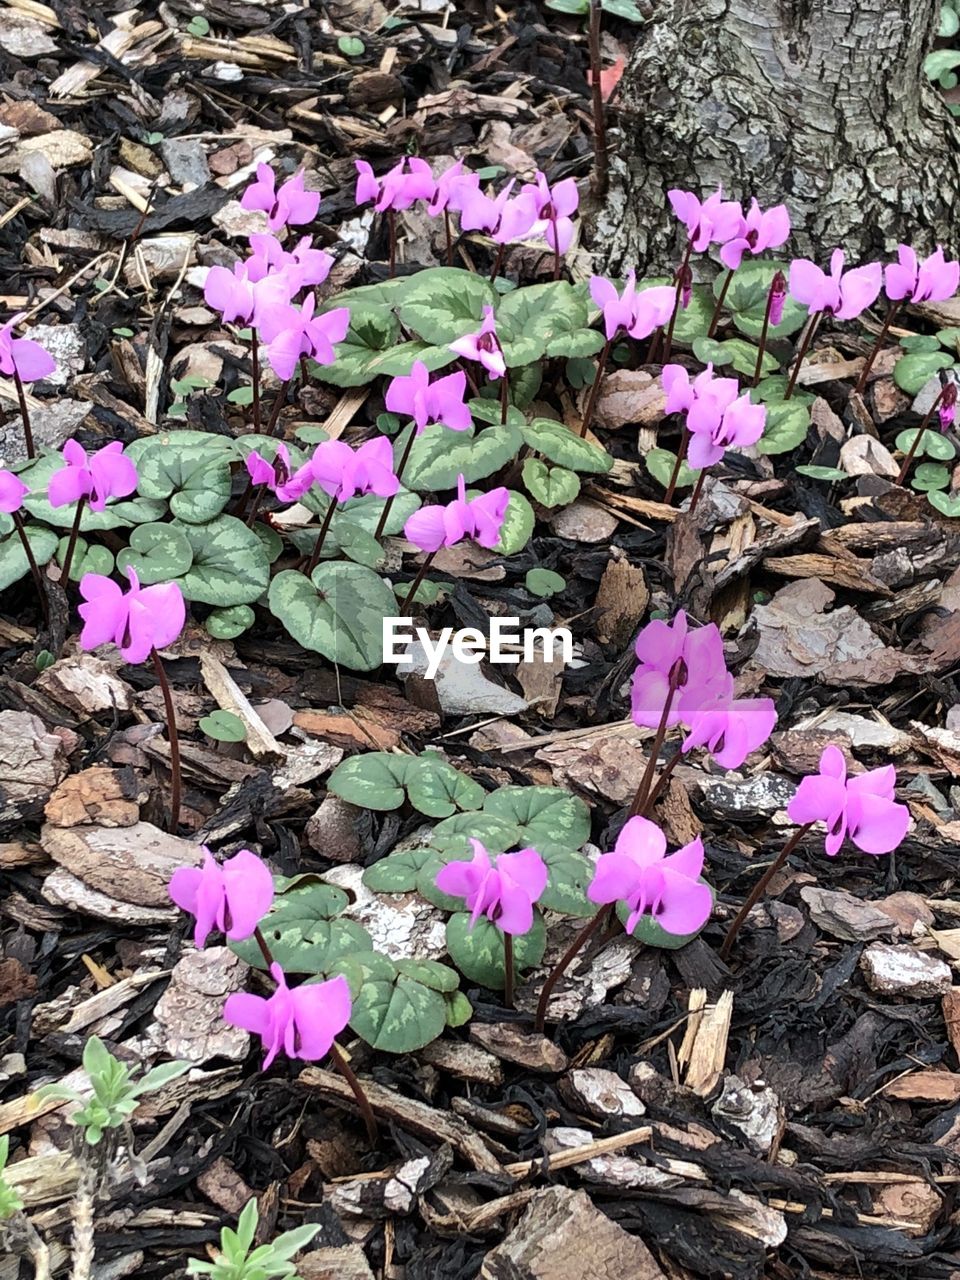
x=108, y=473
x=947, y=408
x=638, y=312
x=841, y=294
x=692, y=660
x=292, y=332
x=730, y=728
x=500, y=216
x=401, y=187
x=278, y=475
x=861, y=807
x=425, y=401
x=12, y=492
x=778, y=298
x=759, y=231
x=933, y=280
x=303, y=1022
x=136, y=621
x=504, y=888
x=639, y=872
x=303, y=264
x=716, y=426
x=232, y=898
x=542, y=210
x=480, y=518
x=483, y=346
x=344, y=473
x=22, y=356
x=452, y=187
x=683, y=392
x=290, y=206
x=714, y=221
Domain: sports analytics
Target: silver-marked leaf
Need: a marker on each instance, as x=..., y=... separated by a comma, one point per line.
x=933, y=444
x=399, y=360
x=566, y=891
x=565, y=448
x=398, y=872
x=547, y=817
x=550, y=486
x=433, y=974
x=229, y=564
x=13, y=560
x=786, y=427
x=398, y=1016
x=193, y=478
x=747, y=299
x=227, y=624
x=478, y=952
x=912, y=372
x=440, y=455
x=531, y=319
x=373, y=331
x=374, y=780
x=88, y=557
x=445, y=303
x=580, y=344
x=517, y=525
x=304, y=933
x=452, y=836
x=660, y=464
x=124, y=513
x=339, y=612
x=438, y=789
x=157, y=552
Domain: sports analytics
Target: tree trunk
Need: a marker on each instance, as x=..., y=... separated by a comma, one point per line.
x=821, y=104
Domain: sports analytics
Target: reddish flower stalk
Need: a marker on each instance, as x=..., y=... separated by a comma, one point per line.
x=32, y=562
x=600, y=165
x=683, y=281
x=595, y=389
x=72, y=544
x=421, y=574
x=771, y=316
x=404, y=459
x=805, y=341
x=947, y=397
x=675, y=474
x=698, y=488
x=392, y=228
x=641, y=799
x=592, y=927
x=318, y=545
x=24, y=416
x=255, y=375
x=172, y=734
x=715, y=318
x=758, y=890
x=884, y=330
x=508, y=969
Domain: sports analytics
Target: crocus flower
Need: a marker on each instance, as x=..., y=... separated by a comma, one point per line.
x=730, y=728
x=481, y=519
x=232, y=898
x=344, y=473
x=664, y=887
x=136, y=621
x=425, y=401
x=303, y=1022
x=715, y=221
x=402, y=186
x=716, y=426
x=933, y=280
x=542, y=210
x=483, y=346
x=279, y=476
x=759, y=231
x=504, y=888
x=108, y=473
x=694, y=658
x=290, y=206
x=841, y=294
x=22, y=356
x=861, y=807
x=452, y=185
x=292, y=332
x=12, y=492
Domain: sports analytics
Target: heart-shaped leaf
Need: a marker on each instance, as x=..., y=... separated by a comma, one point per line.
x=747, y=299
x=303, y=933
x=786, y=427
x=452, y=836
x=338, y=612
x=227, y=624
x=399, y=1015
x=397, y=873
x=444, y=304
x=193, y=478
x=548, y=818
x=222, y=726
x=440, y=455
x=229, y=563
x=912, y=372
x=550, y=486
x=566, y=891
x=564, y=447
x=88, y=557
x=433, y=974
x=947, y=504
x=478, y=952
x=929, y=476
x=438, y=790
x=933, y=444
x=13, y=560
x=660, y=464
x=157, y=552
x=517, y=527
x=531, y=319
x=544, y=583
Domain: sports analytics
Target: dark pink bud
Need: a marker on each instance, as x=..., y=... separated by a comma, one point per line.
x=686, y=287
x=948, y=405
x=778, y=297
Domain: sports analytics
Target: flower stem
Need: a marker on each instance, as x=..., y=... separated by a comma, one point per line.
x=277, y=406
x=336, y=1053
x=174, y=740
x=24, y=415
x=404, y=459
x=498, y=262
x=697, y=490
x=592, y=927
x=885, y=329
x=504, y=397
x=318, y=545
x=255, y=505
x=668, y=341
x=32, y=562
x=804, y=344
x=416, y=584
x=758, y=889
x=255, y=375
x=662, y=781
x=912, y=451
x=600, y=166
x=675, y=474
x=641, y=800
x=72, y=544
x=446, y=228
x=595, y=389
x=508, y=970
x=758, y=368
x=392, y=230
x=715, y=318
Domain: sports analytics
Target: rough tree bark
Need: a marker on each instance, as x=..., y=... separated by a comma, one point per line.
x=819, y=103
